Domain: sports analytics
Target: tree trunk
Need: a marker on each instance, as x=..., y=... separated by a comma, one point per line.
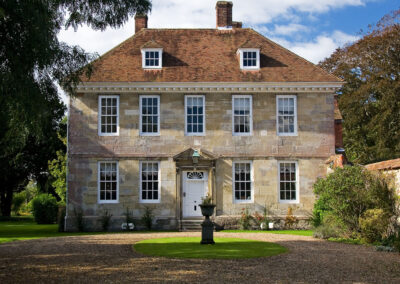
x=6, y=196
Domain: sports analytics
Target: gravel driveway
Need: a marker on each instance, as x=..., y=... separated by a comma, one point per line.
x=110, y=258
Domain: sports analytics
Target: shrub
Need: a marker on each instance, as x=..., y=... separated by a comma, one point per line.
x=350, y=191
x=290, y=219
x=373, y=224
x=128, y=217
x=44, y=209
x=331, y=228
x=105, y=220
x=245, y=219
x=17, y=202
x=147, y=218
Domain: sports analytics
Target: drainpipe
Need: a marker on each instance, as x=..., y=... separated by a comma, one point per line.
x=67, y=169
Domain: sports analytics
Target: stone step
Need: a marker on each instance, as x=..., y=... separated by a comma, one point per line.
x=191, y=225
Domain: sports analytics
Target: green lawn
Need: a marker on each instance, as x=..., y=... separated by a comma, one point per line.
x=285, y=232
x=225, y=248
x=25, y=228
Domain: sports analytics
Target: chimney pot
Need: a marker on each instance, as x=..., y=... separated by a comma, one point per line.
x=224, y=14
x=140, y=22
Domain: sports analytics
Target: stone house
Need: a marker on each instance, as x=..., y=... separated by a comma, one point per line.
x=390, y=168
x=171, y=115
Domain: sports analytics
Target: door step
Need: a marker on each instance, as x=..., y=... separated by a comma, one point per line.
x=190, y=225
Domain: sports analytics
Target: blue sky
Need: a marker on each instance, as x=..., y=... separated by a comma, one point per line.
x=311, y=28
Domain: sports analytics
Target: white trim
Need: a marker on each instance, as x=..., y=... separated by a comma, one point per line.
x=99, y=115
x=297, y=184
x=160, y=52
x=140, y=182
x=257, y=50
x=204, y=116
x=251, y=115
x=295, y=115
x=209, y=87
x=140, y=116
x=98, y=182
x=234, y=201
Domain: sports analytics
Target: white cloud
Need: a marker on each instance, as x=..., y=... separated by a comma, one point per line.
x=201, y=14
x=320, y=48
x=289, y=29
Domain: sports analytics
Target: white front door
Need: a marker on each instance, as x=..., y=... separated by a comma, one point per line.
x=195, y=186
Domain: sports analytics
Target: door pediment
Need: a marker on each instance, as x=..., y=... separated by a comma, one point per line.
x=204, y=156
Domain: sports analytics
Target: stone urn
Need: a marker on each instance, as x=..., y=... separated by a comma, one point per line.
x=207, y=227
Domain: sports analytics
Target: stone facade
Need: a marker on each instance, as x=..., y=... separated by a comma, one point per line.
x=314, y=143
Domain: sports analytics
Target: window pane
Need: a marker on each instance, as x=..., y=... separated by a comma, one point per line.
x=149, y=185
x=242, y=181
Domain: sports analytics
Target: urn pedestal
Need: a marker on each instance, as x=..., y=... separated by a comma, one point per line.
x=207, y=227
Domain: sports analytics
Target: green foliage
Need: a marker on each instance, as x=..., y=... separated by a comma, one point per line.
x=330, y=228
x=374, y=225
x=224, y=248
x=245, y=219
x=44, y=209
x=58, y=167
x=33, y=62
x=369, y=100
x=105, y=220
x=148, y=217
x=18, y=201
x=348, y=192
x=206, y=200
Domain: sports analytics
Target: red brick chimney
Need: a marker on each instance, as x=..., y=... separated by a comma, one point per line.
x=140, y=22
x=224, y=14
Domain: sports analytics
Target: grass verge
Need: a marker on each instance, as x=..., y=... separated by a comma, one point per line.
x=224, y=248
x=285, y=232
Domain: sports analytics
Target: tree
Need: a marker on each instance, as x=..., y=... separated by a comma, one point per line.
x=32, y=62
x=370, y=98
x=58, y=168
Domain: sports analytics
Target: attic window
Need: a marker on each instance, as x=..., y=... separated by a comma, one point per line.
x=249, y=58
x=152, y=58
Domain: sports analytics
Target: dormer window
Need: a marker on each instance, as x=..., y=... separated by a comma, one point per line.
x=152, y=58
x=249, y=58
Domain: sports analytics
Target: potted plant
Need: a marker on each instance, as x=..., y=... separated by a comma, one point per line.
x=207, y=208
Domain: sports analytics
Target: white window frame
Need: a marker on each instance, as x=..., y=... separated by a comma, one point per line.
x=99, y=201
x=250, y=133
x=100, y=133
x=295, y=115
x=242, y=50
x=160, y=52
x=297, y=183
x=239, y=201
x=140, y=183
x=204, y=116
x=140, y=116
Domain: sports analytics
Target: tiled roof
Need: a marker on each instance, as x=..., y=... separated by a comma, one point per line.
x=204, y=55
x=385, y=165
